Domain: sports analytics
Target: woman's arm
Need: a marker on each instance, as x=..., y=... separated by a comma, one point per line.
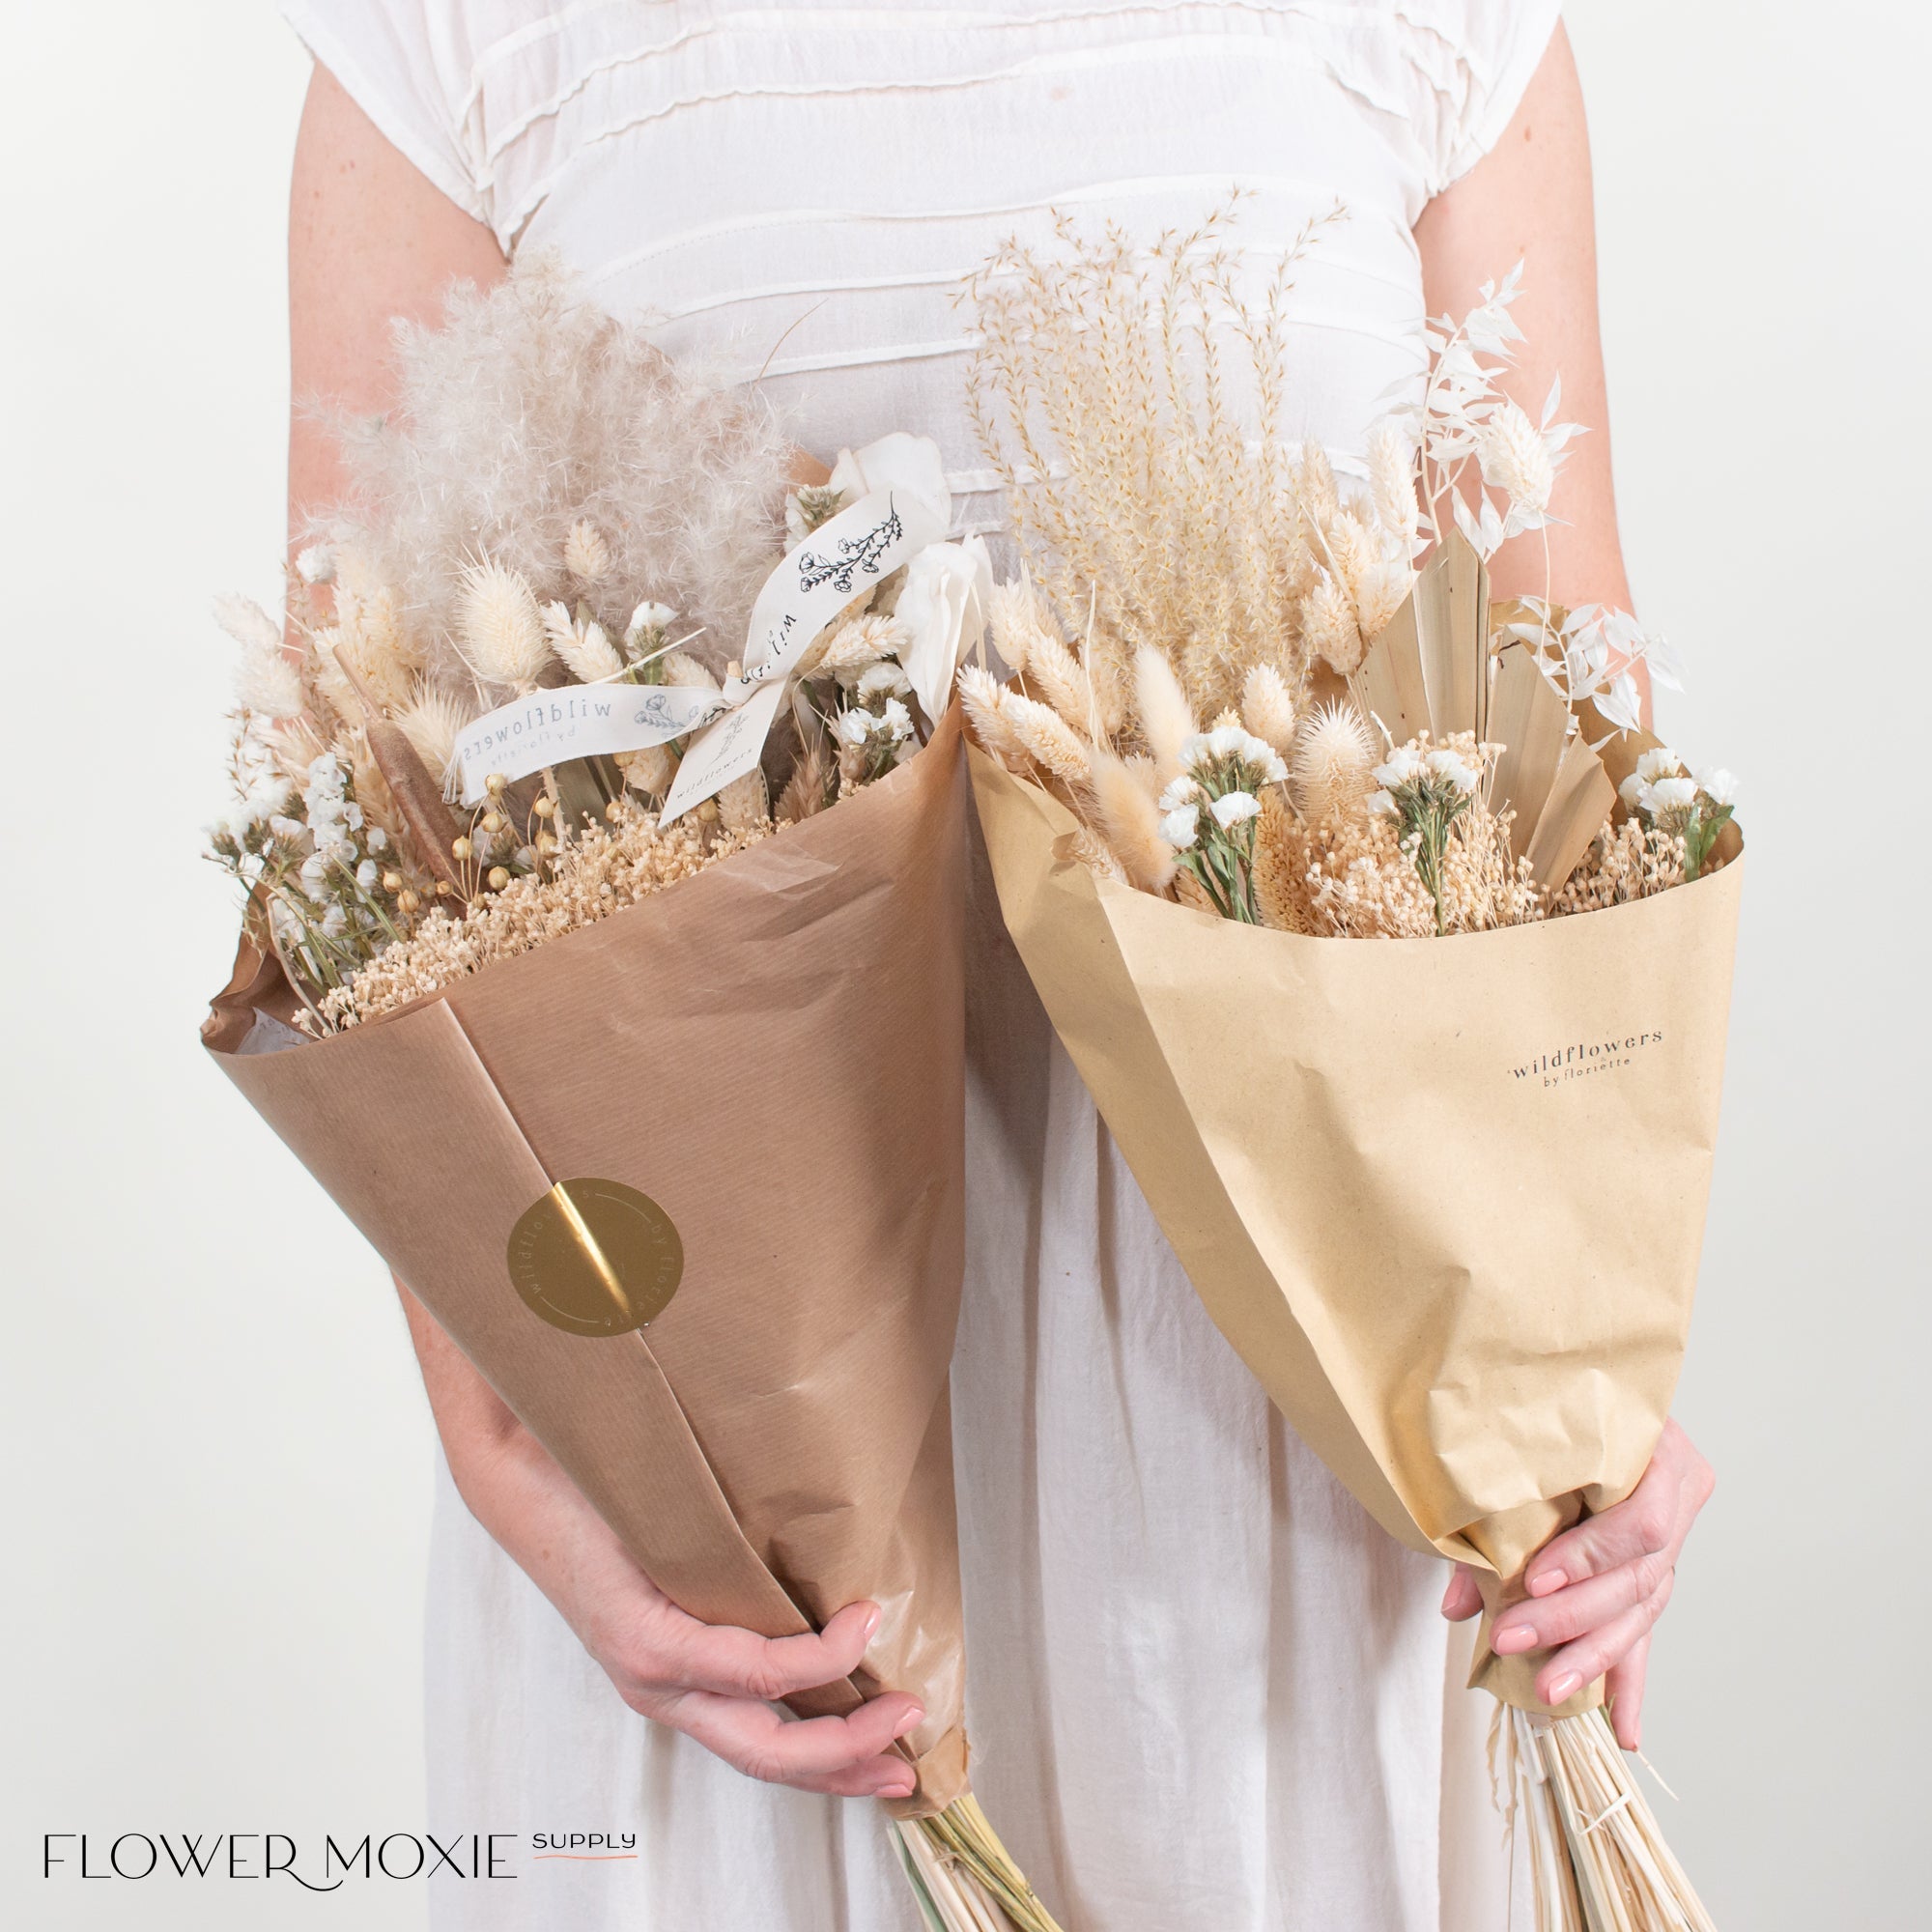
x=1529, y=200
x=1597, y=1590
x=369, y=239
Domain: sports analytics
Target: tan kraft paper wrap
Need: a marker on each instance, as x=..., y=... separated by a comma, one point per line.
x=773, y=1052
x=1444, y=1195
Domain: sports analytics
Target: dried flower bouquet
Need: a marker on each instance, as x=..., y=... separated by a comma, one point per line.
x=1252, y=712
x=535, y=868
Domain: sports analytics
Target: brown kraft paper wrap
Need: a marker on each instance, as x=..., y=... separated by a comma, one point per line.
x=1444, y=1195
x=772, y=1051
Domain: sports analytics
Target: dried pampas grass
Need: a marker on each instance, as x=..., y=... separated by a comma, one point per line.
x=533, y=429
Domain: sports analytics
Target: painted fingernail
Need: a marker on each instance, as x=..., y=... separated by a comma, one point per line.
x=1514, y=1637
x=900, y=1788
x=911, y=1722
x=872, y=1617
x=1548, y=1583
x=1565, y=1686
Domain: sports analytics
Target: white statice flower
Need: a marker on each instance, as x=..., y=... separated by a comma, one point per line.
x=1718, y=784
x=1179, y=825
x=1180, y=792
x=285, y=827
x=1658, y=762
x=882, y=680
x=1404, y=767
x=314, y=875
x=856, y=727
x=378, y=839
x=1227, y=741
x=897, y=721
x=334, y=922
x=1670, y=795
x=1448, y=765
x=1383, y=804
x=367, y=873
x=315, y=563
x=648, y=616
x=1235, y=808
x=1631, y=791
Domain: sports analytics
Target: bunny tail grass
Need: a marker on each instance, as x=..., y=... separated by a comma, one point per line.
x=962, y=1876
x=1596, y=1854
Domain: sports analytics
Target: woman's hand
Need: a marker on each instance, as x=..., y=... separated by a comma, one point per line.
x=1597, y=1590
x=714, y=1682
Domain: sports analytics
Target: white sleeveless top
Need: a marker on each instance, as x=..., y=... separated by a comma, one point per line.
x=1206, y=1692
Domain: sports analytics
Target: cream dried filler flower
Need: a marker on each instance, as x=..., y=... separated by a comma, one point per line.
x=1146, y=553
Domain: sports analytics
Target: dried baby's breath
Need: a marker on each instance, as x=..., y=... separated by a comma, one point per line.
x=599, y=870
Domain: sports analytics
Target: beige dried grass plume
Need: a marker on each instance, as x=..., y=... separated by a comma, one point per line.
x=1135, y=404
x=536, y=430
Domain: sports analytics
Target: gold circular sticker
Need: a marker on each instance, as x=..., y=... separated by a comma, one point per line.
x=595, y=1257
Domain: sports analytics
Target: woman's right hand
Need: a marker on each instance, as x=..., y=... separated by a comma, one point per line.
x=716, y=1683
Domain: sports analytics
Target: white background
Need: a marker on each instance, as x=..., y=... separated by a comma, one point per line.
x=217, y=1457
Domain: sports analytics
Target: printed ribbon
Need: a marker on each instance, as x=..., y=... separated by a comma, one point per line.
x=839, y=562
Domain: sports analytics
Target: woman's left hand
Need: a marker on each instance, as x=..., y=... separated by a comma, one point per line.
x=1597, y=1589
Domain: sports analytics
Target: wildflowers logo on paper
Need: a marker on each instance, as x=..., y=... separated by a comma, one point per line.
x=1579, y=1060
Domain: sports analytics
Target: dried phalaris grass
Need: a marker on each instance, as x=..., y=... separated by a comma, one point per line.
x=1597, y=1860
x=964, y=1878
x=1118, y=392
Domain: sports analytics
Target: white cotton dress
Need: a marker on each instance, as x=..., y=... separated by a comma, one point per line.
x=1207, y=1692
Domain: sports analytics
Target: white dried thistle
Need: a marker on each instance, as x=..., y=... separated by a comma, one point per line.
x=1331, y=774
x=1267, y=710
x=499, y=628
